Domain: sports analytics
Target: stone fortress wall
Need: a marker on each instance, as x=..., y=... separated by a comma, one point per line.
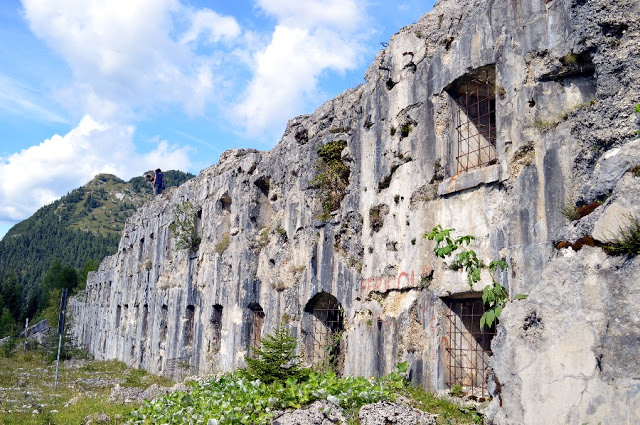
x=488, y=116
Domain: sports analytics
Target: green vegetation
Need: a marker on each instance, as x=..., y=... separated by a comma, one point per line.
x=393, y=130
x=75, y=232
x=273, y=380
x=494, y=296
x=628, y=240
x=276, y=360
x=332, y=176
x=405, y=129
x=184, y=226
x=545, y=125
x=83, y=390
x=222, y=246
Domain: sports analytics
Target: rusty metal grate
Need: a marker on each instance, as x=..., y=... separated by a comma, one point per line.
x=467, y=348
x=257, y=321
x=328, y=325
x=475, y=124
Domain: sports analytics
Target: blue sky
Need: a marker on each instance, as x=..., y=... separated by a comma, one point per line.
x=90, y=86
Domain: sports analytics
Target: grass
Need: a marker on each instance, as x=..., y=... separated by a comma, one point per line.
x=27, y=381
x=628, y=240
x=448, y=413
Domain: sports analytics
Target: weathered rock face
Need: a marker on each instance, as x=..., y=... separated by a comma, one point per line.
x=491, y=117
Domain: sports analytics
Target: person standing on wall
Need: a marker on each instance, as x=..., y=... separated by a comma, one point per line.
x=158, y=182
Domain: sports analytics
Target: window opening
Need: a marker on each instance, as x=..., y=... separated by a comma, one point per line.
x=257, y=321
x=475, y=119
x=327, y=327
x=467, y=348
x=118, y=313
x=164, y=323
x=145, y=320
x=216, y=328
x=188, y=325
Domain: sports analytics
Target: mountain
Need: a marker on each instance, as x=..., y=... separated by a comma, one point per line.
x=82, y=225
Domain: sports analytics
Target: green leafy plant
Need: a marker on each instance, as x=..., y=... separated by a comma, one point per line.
x=494, y=296
x=237, y=399
x=332, y=176
x=456, y=390
x=184, y=226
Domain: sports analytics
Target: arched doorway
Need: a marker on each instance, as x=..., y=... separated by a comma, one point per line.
x=325, y=331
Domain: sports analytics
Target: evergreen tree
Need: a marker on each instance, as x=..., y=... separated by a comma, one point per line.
x=276, y=360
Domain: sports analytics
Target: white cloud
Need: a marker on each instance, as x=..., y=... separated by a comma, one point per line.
x=40, y=174
x=311, y=37
x=122, y=51
x=213, y=27
x=344, y=15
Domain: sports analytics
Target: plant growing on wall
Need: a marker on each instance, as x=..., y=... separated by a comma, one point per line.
x=332, y=176
x=494, y=296
x=184, y=226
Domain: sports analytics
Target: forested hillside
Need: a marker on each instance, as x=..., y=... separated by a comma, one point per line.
x=71, y=234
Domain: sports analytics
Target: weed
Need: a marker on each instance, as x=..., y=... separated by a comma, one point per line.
x=494, y=296
x=635, y=170
x=222, y=246
x=419, y=34
x=377, y=215
x=570, y=211
x=545, y=125
x=393, y=130
x=448, y=413
x=628, y=240
x=456, y=390
x=184, y=226
x=500, y=91
x=396, y=199
x=405, y=129
x=332, y=177
x=264, y=237
x=280, y=230
x=570, y=59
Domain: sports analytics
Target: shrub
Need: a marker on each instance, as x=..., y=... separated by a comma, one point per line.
x=184, y=226
x=276, y=359
x=332, y=176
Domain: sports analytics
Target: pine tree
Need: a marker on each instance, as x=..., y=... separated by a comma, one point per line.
x=276, y=360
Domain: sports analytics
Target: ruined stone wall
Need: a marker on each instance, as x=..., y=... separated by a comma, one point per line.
x=563, y=77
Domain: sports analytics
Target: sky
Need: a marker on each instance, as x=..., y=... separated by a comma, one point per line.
x=124, y=86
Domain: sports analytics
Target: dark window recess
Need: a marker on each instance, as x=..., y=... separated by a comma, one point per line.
x=466, y=348
x=164, y=323
x=118, y=313
x=257, y=321
x=145, y=321
x=475, y=119
x=215, y=324
x=328, y=325
x=188, y=325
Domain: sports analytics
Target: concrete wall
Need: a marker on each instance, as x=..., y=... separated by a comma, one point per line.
x=566, y=78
